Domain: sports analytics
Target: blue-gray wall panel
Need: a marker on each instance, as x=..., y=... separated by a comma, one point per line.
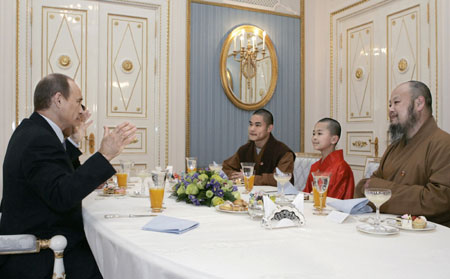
x=217, y=127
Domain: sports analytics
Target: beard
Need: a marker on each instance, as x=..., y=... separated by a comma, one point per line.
x=397, y=131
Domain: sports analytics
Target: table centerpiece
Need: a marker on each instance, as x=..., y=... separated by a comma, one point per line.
x=205, y=187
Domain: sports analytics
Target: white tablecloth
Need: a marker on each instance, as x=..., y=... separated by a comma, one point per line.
x=234, y=246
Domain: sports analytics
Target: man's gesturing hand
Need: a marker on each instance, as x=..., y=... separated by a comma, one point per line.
x=113, y=142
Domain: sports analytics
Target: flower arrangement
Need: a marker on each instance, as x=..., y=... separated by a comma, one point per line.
x=205, y=188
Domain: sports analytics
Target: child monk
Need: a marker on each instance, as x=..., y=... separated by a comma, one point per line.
x=326, y=135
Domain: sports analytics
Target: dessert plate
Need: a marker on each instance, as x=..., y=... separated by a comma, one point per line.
x=367, y=228
x=430, y=226
x=230, y=211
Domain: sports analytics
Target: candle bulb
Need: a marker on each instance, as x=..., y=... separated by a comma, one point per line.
x=253, y=42
x=264, y=40
x=242, y=40
x=234, y=49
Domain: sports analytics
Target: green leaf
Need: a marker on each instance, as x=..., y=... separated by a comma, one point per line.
x=228, y=196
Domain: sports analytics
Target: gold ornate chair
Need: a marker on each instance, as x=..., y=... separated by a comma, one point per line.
x=302, y=165
x=27, y=243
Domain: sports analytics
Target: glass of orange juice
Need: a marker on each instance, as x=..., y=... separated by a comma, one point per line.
x=191, y=164
x=249, y=176
x=156, y=190
x=320, y=182
x=122, y=179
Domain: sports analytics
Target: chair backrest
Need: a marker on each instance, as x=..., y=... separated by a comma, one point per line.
x=372, y=164
x=28, y=243
x=302, y=165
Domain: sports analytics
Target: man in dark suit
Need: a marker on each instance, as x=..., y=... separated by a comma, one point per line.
x=42, y=191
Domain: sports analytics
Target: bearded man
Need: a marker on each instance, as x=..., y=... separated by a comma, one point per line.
x=416, y=166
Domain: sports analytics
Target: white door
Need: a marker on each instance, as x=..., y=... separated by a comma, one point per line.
x=377, y=49
x=112, y=52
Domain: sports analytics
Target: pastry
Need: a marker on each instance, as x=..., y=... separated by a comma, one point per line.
x=419, y=222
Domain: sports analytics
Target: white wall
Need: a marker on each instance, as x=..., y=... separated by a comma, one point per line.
x=7, y=76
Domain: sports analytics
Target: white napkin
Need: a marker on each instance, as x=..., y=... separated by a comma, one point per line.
x=289, y=189
x=168, y=224
x=352, y=206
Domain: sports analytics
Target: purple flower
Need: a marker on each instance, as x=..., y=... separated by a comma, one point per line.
x=235, y=188
x=194, y=200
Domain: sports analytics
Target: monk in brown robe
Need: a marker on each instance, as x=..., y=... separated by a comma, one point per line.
x=263, y=149
x=416, y=166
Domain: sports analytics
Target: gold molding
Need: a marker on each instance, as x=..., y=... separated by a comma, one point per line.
x=17, y=60
x=127, y=66
x=188, y=80
x=403, y=64
x=332, y=14
x=359, y=73
x=359, y=143
x=224, y=55
x=302, y=75
x=167, y=83
x=437, y=60
x=64, y=61
x=246, y=8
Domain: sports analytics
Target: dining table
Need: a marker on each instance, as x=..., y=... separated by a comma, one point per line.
x=233, y=245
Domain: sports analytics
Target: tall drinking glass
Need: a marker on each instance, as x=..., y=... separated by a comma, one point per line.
x=143, y=174
x=378, y=196
x=191, y=164
x=157, y=190
x=249, y=177
x=282, y=178
x=124, y=175
x=321, y=180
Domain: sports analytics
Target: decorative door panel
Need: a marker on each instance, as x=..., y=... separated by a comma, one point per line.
x=64, y=39
x=379, y=46
x=403, y=49
x=129, y=80
x=360, y=73
x=113, y=50
x=127, y=75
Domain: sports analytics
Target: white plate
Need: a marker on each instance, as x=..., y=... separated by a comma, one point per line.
x=139, y=196
x=230, y=211
x=430, y=226
x=367, y=228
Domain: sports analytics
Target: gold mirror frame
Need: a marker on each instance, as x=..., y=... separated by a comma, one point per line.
x=225, y=75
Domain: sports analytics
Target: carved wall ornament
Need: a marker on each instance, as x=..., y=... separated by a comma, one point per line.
x=402, y=65
x=64, y=61
x=359, y=73
x=359, y=143
x=127, y=66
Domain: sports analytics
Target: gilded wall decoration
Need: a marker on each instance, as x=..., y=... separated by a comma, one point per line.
x=360, y=73
x=127, y=66
x=403, y=53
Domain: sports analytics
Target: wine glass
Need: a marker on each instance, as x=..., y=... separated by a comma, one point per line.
x=378, y=196
x=191, y=164
x=215, y=167
x=282, y=178
x=247, y=170
x=143, y=174
x=320, y=182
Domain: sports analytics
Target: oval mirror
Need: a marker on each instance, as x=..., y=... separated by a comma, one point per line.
x=248, y=67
